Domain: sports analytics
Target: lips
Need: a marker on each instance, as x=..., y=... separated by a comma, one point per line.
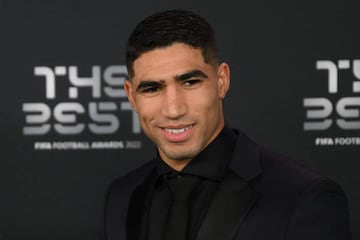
x=177, y=130
x=177, y=134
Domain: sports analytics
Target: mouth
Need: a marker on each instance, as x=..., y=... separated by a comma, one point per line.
x=178, y=133
x=178, y=130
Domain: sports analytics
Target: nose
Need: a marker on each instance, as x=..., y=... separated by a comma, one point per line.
x=174, y=104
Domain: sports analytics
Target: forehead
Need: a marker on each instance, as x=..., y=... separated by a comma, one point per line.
x=170, y=61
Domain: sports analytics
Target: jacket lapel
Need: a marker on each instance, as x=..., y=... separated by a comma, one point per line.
x=137, y=214
x=235, y=196
x=229, y=208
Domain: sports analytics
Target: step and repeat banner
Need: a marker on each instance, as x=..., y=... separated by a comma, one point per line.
x=67, y=128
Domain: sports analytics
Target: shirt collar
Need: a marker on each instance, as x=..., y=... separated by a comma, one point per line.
x=212, y=162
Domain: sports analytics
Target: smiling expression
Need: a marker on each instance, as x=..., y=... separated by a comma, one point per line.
x=178, y=98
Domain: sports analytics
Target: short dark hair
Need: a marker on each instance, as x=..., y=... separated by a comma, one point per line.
x=172, y=26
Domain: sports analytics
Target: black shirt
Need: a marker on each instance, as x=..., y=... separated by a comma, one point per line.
x=209, y=167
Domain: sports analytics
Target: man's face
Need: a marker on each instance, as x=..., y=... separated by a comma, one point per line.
x=178, y=99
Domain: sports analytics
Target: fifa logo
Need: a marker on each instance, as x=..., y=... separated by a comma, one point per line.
x=344, y=112
x=72, y=117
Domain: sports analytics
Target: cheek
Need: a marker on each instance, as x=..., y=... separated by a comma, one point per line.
x=207, y=99
x=147, y=110
x=208, y=106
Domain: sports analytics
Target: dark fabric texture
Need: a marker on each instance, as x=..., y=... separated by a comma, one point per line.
x=206, y=171
x=263, y=196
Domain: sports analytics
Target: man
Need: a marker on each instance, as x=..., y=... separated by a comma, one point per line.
x=208, y=182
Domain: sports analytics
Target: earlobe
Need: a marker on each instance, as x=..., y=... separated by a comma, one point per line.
x=223, y=79
x=128, y=86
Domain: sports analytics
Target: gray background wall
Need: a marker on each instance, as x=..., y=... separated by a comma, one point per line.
x=52, y=182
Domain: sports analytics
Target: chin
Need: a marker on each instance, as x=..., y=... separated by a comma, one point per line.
x=181, y=155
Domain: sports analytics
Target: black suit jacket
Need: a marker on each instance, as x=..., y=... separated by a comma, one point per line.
x=264, y=196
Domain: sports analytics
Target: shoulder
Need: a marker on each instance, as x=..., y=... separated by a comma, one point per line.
x=306, y=198
x=131, y=179
x=118, y=197
x=299, y=185
x=282, y=168
x=291, y=177
x=270, y=172
x=297, y=195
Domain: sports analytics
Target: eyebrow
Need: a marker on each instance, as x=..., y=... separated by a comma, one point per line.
x=191, y=74
x=182, y=77
x=149, y=84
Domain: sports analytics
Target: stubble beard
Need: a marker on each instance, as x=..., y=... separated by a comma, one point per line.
x=180, y=155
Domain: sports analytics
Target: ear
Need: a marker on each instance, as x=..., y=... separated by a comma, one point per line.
x=223, y=79
x=130, y=92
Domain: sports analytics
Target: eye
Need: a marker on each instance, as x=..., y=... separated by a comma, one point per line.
x=150, y=89
x=191, y=82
